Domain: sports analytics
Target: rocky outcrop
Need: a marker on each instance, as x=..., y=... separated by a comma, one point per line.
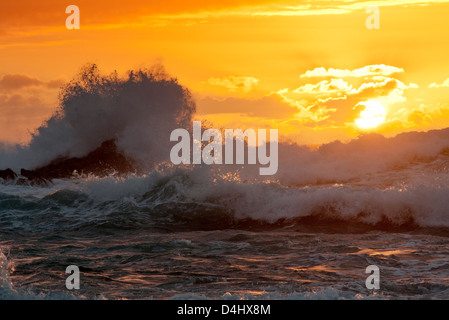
x=103, y=161
x=8, y=174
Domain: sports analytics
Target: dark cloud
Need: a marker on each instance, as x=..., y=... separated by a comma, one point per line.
x=12, y=82
x=18, y=81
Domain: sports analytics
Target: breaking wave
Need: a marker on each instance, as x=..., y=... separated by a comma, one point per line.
x=196, y=199
x=372, y=180
x=138, y=111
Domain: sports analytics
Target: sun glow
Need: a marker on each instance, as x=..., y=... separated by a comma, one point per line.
x=372, y=116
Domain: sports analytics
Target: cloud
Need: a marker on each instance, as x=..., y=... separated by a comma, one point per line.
x=367, y=71
x=328, y=7
x=285, y=8
x=445, y=84
x=267, y=107
x=309, y=110
x=12, y=82
x=235, y=83
x=23, y=13
x=326, y=87
x=25, y=102
x=20, y=113
x=337, y=89
x=18, y=81
x=56, y=83
x=331, y=102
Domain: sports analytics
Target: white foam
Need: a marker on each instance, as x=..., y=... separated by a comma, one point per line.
x=138, y=111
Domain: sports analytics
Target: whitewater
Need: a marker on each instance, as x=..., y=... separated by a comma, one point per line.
x=219, y=232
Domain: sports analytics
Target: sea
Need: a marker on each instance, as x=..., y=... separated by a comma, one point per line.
x=311, y=231
x=179, y=234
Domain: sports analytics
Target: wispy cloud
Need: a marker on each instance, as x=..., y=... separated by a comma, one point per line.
x=332, y=86
x=367, y=71
x=290, y=8
x=331, y=102
x=235, y=83
x=20, y=14
x=445, y=84
x=12, y=82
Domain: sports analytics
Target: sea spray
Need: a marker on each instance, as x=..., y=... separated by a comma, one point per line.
x=138, y=111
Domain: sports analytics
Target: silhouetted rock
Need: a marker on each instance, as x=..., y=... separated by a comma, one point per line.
x=103, y=161
x=8, y=174
x=33, y=178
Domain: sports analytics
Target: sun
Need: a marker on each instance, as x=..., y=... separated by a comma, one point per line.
x=372, y=116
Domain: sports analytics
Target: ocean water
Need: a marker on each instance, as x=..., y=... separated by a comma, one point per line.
x=220, y=231
x=179, y=234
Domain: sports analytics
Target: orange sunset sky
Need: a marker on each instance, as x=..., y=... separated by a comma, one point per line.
x=308, y=68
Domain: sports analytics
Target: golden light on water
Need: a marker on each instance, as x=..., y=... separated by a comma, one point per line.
x=372, y=116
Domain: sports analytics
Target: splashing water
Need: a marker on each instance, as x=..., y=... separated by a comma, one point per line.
x=220, y=231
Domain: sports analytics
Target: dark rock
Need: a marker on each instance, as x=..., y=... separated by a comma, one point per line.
x=34, y=179
x=8, y=174
x=103, y=161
